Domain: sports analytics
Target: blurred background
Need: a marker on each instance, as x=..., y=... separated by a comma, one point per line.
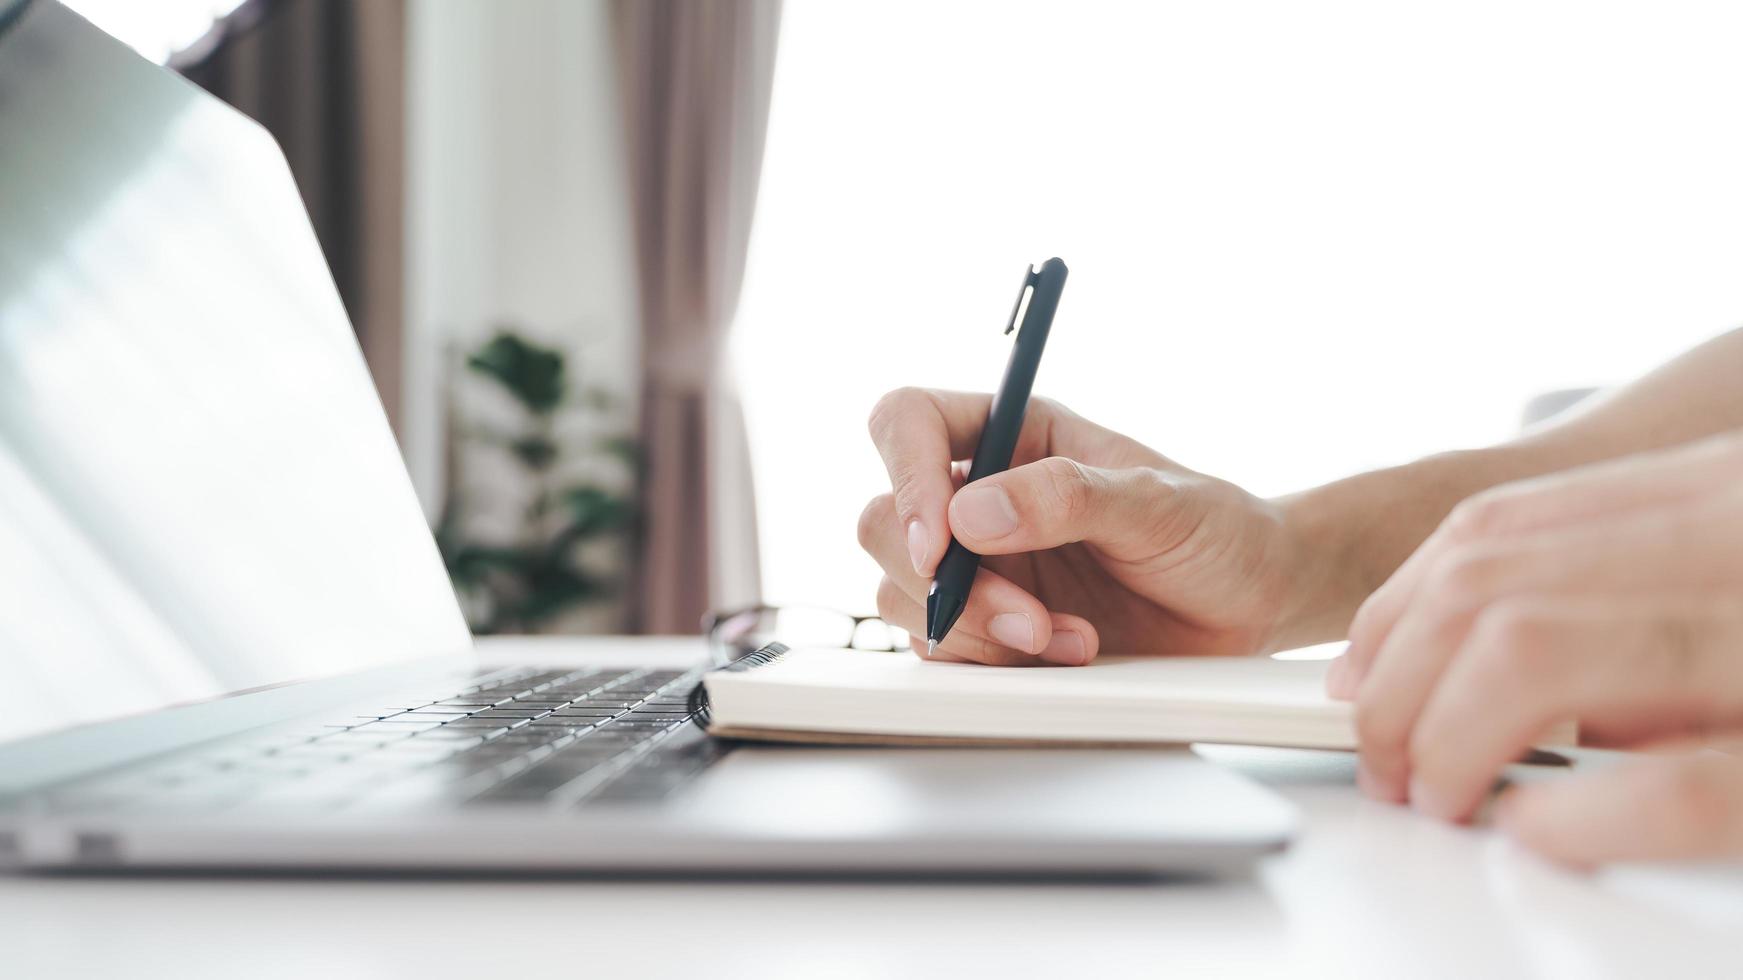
x=630, y=275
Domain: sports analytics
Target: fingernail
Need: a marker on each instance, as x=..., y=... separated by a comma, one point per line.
x=984, y=512
x=1013, y=630
x=1430, y=801
x=1066, y=647
x=918, y=546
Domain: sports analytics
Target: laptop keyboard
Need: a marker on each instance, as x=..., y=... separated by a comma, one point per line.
x=551, y=737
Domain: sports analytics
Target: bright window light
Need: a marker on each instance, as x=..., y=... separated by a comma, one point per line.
x=1304, y=239
x=156, y=29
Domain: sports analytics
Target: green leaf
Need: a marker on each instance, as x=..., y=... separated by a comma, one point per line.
x=535, y=577
x=531, y=373
x=595, y=510
x=556, y=590
x=538, y=452
x=473, y=562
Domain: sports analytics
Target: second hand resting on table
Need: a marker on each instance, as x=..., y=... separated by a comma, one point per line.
x=1592, y=569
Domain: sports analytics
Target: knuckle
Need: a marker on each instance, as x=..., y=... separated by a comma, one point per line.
x=891, y=410
x=909, y=501
x=1067, y=485
x=874, y=519
x=1048, y=407
x=1461, y=578
x=1161, y=495
x=1478, y=517
x=1515, y=644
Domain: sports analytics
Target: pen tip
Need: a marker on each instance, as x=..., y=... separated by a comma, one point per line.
x=931, y=648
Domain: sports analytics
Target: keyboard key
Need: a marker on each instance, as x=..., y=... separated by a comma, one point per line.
x=396, y=725
x=569, y=724
x=485, y=732
x=587, y=715
x=483, y=721
x=512, y=735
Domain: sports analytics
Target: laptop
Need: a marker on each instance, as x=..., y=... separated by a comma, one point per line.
x=227, y=640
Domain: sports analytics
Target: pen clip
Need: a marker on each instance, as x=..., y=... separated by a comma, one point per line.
x=1030, y=277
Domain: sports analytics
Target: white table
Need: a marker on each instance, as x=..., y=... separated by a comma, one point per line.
x=1368, y=890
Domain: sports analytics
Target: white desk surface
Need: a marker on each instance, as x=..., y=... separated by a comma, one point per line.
x=1367, y=890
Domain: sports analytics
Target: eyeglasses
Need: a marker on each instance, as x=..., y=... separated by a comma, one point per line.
x=734, y=634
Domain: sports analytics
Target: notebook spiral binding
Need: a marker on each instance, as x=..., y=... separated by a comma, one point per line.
x=766, y=654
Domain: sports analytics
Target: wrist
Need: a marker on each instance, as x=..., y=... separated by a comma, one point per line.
x=1346, y=538
x=1321, y=534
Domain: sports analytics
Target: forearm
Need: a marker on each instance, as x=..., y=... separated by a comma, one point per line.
x=1354, y=533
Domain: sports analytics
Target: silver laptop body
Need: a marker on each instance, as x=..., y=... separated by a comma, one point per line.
x=227, y=639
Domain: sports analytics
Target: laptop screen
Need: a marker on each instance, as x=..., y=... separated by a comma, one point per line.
x=199, y=492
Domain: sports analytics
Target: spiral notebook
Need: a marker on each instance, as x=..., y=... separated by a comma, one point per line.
x=852, y=696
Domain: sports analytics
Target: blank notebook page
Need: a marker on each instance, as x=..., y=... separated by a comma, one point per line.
x=893, y=697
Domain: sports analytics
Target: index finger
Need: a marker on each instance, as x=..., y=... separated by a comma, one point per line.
x=918, y=432
x=1652, y=663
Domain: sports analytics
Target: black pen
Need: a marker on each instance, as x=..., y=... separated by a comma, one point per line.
x=1036, y=302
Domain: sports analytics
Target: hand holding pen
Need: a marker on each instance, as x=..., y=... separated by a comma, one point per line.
x=1088, y=541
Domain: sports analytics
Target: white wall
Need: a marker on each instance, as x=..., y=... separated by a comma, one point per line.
x=516, y=209
x=1304, y=238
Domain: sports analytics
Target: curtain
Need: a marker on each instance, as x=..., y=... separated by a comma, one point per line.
x=327, y=79
x=694, y=83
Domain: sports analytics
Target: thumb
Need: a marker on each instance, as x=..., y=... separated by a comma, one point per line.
x=1058, y=501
